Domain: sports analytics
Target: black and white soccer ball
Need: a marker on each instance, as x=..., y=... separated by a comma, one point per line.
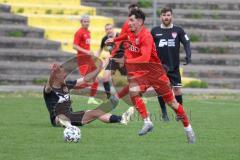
x=72, y=134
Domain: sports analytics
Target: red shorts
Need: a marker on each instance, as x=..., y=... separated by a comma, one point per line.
x=85, y=64
x=152, y=76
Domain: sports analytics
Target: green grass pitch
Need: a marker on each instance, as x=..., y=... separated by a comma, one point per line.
x=26, y=134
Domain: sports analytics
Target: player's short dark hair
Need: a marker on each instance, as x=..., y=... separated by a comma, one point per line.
x=166, y=9
x=139, y=14
x=133, y=5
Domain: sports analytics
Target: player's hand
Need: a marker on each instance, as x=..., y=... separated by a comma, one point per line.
x=109, y=41
x=187, y=61
x=54, y=67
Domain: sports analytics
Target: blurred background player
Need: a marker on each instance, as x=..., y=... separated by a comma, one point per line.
x=81, y=44
x=145, y=70
x=167, y=38
x=57, y=98
x=112, y=66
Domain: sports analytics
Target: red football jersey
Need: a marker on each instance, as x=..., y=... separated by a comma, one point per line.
x=82, y=38
x=143, y=48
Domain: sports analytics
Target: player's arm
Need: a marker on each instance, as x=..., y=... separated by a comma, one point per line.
x=80, y=49
x=145, y=50
x=73, y=84
x=89, y=78
x=116, y=39
x=48, y=86
x=184, y=39
x=98, y=54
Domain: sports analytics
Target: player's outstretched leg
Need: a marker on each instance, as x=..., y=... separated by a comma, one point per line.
x=141, y=108
x=135, y=92
x=181, y=115
x=63, y=121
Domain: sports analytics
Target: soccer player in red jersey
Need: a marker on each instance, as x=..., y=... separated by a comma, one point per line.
x=145, y=70
x=124, y=30
x=85, y=62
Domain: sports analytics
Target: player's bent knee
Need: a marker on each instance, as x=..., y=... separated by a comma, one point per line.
x=177, y=91
x=62, y=121
x=133, y=91
x=173, y=103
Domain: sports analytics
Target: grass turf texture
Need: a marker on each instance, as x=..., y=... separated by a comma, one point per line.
x=26, y=133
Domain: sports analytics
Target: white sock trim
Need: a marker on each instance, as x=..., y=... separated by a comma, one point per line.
x=147, y=120
x=188, y=128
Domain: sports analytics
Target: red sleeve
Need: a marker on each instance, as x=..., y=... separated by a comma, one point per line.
x=77, y=38
x=145, y=50
x=121, y=38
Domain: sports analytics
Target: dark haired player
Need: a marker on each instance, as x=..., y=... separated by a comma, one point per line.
x=124, y=30
x=145, y=70
x=167, y=38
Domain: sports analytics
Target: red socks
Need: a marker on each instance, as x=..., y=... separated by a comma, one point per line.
x=140, y=106
x=182, y=115
x=94, y=87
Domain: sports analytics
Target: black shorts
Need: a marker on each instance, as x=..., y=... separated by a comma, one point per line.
x=175, y=78
x=113, y=66
x=75, y=117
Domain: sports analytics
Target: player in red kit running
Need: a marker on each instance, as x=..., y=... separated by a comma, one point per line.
x=145, y=70
x=125, y=29
x=85, y=62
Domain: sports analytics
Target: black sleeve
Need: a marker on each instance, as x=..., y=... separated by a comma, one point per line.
x=103, y=42
x=152, y=32
x=71, y=84
x=184, y=39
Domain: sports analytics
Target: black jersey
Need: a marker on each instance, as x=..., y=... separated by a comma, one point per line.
x=103, y=44
x=167, y=41
x=56, y=97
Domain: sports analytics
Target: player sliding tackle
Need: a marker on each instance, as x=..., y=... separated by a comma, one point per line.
x=145, y=70
x=57, y=98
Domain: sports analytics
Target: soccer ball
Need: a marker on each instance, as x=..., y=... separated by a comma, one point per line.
x=72, y=134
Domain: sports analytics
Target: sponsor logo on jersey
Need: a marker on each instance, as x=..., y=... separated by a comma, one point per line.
x=63, y=98
x=158, y=35
x=88, y=41
x=174, y=34
x=133, y=48
x=186, y=37
x=164, y=42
